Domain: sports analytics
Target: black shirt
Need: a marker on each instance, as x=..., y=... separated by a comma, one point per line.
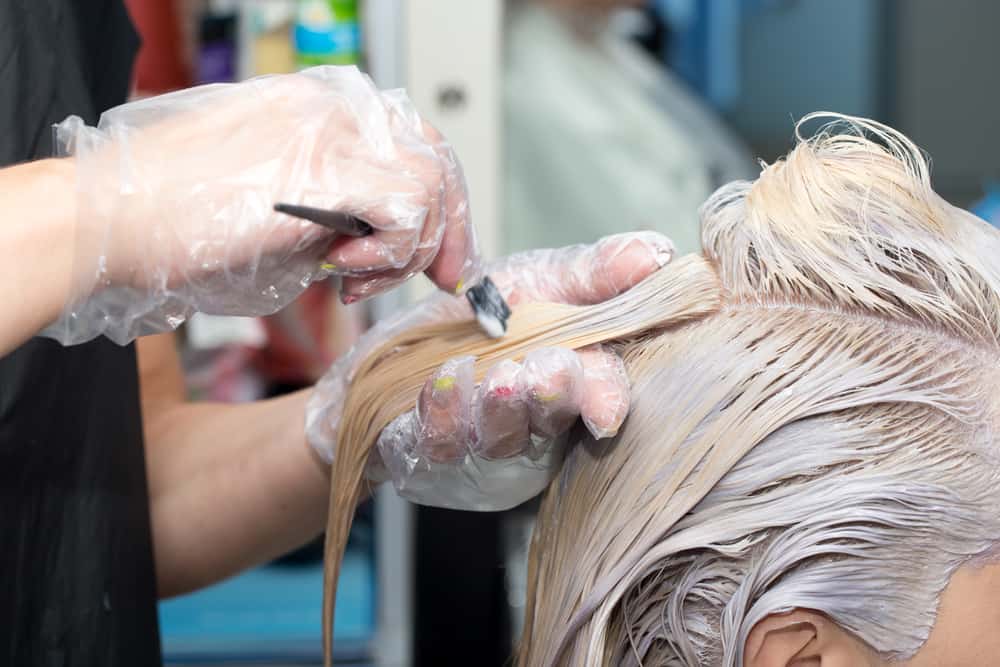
x=77, y=585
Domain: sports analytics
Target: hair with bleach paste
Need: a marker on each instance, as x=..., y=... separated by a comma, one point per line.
x=824, y=440
x=812, y=421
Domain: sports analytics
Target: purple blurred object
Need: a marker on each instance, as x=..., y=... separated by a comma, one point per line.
x=217, y=49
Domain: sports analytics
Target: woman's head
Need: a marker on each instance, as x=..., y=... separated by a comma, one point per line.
x=806, y=467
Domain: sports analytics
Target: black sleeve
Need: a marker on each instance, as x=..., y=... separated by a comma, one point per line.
x=77, y=582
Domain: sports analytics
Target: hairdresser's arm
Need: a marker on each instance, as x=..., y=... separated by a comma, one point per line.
x=231, y=486
x=36, y=205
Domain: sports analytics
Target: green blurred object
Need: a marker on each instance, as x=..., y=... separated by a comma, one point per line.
x=326, y=32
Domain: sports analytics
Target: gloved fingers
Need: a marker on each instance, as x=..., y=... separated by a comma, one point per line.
x=421, y=245
x=588, y=274
x=553, y=378
x=606, y=399
x=542, y=396
x=500, y=413
x=454, y=261
x=616, y=264
x=458, y=263
x=364, y=284
x=357, y=287
x=403, y=206
x=349, y=256
x=434, y=432
x=444, y=411
x=393, y=456
x=399, y=188
x=517, y=405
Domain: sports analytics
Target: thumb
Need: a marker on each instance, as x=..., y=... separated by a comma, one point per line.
x=586, y=274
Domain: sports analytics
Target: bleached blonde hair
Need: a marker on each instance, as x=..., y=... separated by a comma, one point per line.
x=812, y=421
x=825, y=440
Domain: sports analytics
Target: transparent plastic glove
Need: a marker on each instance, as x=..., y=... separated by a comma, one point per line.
x=176, y=194
x=496, y=445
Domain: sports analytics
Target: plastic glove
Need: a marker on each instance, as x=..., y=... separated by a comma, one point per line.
x=176, y=194
x=496, y=445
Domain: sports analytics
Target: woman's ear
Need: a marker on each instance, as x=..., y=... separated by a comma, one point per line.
x=804, y=638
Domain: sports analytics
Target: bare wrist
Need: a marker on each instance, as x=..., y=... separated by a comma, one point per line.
x=53, y=191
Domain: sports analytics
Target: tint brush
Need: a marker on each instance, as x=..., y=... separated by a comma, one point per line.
x=488, y=304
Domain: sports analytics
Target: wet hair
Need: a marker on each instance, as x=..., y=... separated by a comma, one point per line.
x=812, y=421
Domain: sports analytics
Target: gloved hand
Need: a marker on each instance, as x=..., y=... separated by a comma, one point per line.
x=176, y=193
x=494, y=446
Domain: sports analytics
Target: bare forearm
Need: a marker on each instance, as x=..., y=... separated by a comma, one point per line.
x=37, y=200
x=231, y=486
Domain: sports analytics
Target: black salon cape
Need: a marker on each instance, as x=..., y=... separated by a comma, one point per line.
x=77, y=585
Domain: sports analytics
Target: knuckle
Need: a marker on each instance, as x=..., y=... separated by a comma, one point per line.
x=431, y=133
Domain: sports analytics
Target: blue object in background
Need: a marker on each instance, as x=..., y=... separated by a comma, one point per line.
x=764, y=63
x=988, y=208
x=705, y=45
x=272, y=613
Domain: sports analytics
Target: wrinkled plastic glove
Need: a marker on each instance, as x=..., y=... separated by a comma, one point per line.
x=493, y=446
x=175, y=201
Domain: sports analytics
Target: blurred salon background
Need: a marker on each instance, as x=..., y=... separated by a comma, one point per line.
x=574, y=119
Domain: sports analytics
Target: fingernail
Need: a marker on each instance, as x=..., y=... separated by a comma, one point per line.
x=661, y=248
x=444, y=383
x=547, y=398
x=600, y=433
x=662, y=254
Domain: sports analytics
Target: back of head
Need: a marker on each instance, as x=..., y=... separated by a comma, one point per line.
x=824, y=439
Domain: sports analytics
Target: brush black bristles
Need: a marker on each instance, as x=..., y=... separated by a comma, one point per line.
x=490, y=308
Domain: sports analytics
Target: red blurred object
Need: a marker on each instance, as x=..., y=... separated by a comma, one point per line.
x=161, y=65
x=297, y=351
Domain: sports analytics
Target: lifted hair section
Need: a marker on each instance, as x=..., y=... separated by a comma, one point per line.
x=389, y=379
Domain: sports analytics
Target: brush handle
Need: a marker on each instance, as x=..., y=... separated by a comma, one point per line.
x=338, y=221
